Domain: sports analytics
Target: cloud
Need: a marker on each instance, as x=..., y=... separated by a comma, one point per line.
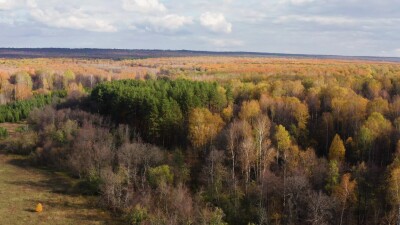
x=170, y=22
x=10, y=4
x=153, y=16
x=144, y=6
x=215, y=22
x=31, y=3
x=353, y=27
x=72, y=20
x=96, y=15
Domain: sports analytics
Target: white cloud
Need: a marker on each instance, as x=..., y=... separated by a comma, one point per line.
x=31, y=3
x=215, y=22
x=72, y=20
x=95, y=15
x=170, y=22
x=144, y=6
x=317, y=26
x=6, y=4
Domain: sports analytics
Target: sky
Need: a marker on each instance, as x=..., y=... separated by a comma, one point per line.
x=329, y=27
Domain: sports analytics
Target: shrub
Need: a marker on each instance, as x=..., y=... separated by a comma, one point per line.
x=160, y=175
x=3, y=132
x=137, y=216
x=23, y=143
x=39, y=208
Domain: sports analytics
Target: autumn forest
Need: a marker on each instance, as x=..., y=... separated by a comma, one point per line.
x=213, y=140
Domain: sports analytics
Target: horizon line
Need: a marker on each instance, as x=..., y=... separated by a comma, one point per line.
x=255, y=53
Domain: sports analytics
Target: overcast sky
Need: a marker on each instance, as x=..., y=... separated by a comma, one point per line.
x=341, y=27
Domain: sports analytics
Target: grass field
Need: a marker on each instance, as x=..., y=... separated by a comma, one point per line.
x=22, y=187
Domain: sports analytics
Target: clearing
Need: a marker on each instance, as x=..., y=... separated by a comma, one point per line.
x=22, y=187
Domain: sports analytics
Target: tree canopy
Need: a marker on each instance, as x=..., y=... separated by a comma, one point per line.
x=155, y=107
x=337, y=150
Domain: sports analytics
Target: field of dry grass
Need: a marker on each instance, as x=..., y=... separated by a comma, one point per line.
x=22, y=187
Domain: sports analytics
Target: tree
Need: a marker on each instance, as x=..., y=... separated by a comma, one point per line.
x=23, y=85
x=394, y=189
x=282, y=138
x=337, y=150
x=262, y=126
x=372, y=88
x=170, y=118
x=333, y=176
x=233, y=138
x=22, y=78
x=249, y=110
x=91, y=151
x=375, y=128
x=68, y=77
x=112, y=188
x=379, y=105
x=319, y=208
x=345, y=192
x=75, y=91
x=154, y=107
x=160, y=176
x=213, y=216
x=43, y=80
x=378, y=125
x=247, y=153
x=227, y=113
x=136, y=159
x=283, y=141
x=215, y=173
x=203, y=126
x=138, y=215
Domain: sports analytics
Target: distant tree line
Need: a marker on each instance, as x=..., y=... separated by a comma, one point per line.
x=25, y=84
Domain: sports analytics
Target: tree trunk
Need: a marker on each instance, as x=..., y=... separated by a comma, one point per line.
x=342, y=213
x=398, y=216
x=284, y=189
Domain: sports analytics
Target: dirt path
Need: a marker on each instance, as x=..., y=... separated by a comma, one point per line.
x=22, y=187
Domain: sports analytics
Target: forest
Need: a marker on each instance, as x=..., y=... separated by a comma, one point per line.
x=215, y=140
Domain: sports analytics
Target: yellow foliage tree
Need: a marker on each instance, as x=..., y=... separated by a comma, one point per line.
x=203, y=126
x=227, y=113
x=337, y=150
x=282, y=138
x=75, y=90
x=249, y=110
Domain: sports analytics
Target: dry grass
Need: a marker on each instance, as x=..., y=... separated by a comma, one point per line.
x=23, y=187
x=12, y=127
